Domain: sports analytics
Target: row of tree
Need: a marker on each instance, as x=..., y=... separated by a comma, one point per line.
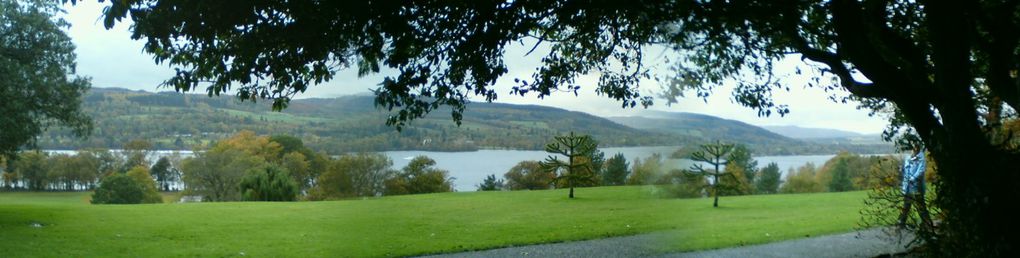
x=40, y=171
x=249, y=167
x=844, y=172
x=245, y=166
x=586, y=166
x=730, y=170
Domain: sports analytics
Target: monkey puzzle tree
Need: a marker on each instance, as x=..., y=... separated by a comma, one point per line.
x=577, y=169
x=715, y=154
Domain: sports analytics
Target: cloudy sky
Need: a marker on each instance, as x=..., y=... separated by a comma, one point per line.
x=112, y=59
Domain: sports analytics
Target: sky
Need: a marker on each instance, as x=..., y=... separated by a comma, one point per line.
x=112, y=59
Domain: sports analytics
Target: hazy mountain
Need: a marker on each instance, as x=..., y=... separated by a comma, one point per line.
x=798, y=132
x=761, y=141
x=704, y=126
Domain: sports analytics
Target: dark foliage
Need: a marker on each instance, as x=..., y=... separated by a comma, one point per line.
x=768, y=179
x=616, y=170
x=491, y=183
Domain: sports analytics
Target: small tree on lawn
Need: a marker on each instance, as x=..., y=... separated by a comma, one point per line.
x=578, y=168
x=713, y=154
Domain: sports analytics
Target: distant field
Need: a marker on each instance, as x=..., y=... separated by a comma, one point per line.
x=407, y=225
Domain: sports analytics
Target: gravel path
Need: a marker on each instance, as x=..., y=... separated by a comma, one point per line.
x=868, y=243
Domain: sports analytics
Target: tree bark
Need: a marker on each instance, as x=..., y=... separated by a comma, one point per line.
x=715, y=184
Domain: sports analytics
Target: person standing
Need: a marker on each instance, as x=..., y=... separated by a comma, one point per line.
x=912, y=183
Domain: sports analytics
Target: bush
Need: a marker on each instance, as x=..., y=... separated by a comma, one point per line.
x=682, y=184
x=269, y=184
x=118, y=189
x=528, y=175
x=353, y=175
x=418, y=177
x=149, y=190
x=802, y=181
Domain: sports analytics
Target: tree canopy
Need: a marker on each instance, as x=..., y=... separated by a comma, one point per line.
x=37, y=63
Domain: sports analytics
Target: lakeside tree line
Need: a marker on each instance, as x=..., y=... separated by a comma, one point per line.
x=244, y=167
x=251, y=167
x=741, y=174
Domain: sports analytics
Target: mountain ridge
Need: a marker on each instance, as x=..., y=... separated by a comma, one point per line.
x=800, y=132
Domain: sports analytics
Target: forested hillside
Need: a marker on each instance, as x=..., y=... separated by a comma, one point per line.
x=352, y=123
x=183, y=121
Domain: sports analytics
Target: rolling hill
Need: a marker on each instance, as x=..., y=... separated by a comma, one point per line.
x=345, y=124
x=352, y=123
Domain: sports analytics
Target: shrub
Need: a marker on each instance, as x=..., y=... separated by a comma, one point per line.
x=118, y=189
x=149, y=192
x=353, y=175
x=418, y=177
x=528, y=175
x=682, y=184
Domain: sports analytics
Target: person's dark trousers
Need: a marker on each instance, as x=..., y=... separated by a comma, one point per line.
x=922, y=207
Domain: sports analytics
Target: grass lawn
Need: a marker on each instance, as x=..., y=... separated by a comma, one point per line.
x=408, y=225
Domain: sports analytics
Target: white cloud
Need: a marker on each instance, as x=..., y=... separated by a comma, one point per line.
x=112, y=59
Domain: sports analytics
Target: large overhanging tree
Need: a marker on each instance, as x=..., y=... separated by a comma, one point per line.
x=946, y=70
x=38, y=88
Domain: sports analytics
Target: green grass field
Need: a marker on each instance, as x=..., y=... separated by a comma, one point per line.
x=408, y=225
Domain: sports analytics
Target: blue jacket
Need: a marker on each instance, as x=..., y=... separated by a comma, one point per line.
x=913, y=173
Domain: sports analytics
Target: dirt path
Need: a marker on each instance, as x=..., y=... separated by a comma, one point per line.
x=868, y=243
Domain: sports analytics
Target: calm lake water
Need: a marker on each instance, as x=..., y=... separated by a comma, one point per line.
x=470, y=168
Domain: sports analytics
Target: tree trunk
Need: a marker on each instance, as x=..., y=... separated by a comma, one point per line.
x=978, y=191
x=715, y=184
x=571, y=192
x=715, y=189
